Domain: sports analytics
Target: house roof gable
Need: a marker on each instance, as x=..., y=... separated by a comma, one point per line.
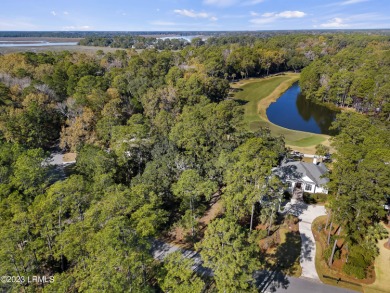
x=298, y=170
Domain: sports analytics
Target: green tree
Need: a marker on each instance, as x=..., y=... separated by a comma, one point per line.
x=179, y=276
x=248, y=176
x=131, y=143
x=111, y=116
x=190, y=188
x=233, y=259
x=203, y=130
x=51, y=213
x=29, y=172
x=34, y=125
x=17, y=252
x=146, y=210
x=4, y=94
x=322, y=150
x=97, y=165
x=360, y=175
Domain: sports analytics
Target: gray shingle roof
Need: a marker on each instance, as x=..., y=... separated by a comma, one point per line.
x=296, y=170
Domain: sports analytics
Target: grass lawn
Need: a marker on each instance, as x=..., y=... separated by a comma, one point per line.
x=258, y=94
x=285, y=255
x=288, y=252
x=382, y=270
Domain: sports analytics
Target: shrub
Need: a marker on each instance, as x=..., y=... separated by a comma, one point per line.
x=337, y=254
x=307, y=198
x=287, y=195
x=261, y=234
x=355, y=271
x=312, y=198
x=360, y=258
x=291, y=219
x=320, y=197
x=327, y=252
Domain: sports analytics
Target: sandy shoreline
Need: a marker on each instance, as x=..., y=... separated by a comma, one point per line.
x=263, y=104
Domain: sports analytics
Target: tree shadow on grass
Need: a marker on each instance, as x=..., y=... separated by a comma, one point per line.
x=241, y=102
x=283, y=262
x=236, y=89
x=286, y=257
x=255, y=125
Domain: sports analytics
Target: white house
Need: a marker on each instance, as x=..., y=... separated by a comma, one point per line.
x=303, y=177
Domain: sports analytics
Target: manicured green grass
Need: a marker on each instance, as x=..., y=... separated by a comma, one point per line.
x=288, y=253
x=285, y=256
x=258, y=95
x=309, y=140
x=382, y=262
x=255, y=91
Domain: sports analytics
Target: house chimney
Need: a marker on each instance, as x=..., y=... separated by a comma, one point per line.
x=315, y=160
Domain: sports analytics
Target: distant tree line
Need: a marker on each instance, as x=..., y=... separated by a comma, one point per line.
x=135, y=42
x=355, y=77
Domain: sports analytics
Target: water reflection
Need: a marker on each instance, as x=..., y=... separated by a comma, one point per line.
x=292, y=110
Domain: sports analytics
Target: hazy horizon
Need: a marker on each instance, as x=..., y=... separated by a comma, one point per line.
x=186, y=15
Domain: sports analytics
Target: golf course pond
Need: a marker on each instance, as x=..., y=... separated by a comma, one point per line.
x=293, y=111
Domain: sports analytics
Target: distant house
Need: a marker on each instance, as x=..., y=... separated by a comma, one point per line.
x=303, y=177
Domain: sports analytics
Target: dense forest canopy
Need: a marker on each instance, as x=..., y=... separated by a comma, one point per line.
x=158, y=137
x=354, y=77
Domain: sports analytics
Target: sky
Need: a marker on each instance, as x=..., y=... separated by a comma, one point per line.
x=192, y=15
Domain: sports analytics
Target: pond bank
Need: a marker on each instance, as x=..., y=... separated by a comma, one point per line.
x=263, y=104
x=294, y=111
x=259, y=94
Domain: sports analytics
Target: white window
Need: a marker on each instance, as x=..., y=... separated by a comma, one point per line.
x=308, y=187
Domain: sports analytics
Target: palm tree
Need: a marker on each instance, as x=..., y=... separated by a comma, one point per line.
x=375, y=233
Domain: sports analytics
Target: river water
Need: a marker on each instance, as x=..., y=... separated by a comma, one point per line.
x=34, y=44
x=293, y=111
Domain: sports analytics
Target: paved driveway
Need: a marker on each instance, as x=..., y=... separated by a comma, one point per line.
x=306, y=214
